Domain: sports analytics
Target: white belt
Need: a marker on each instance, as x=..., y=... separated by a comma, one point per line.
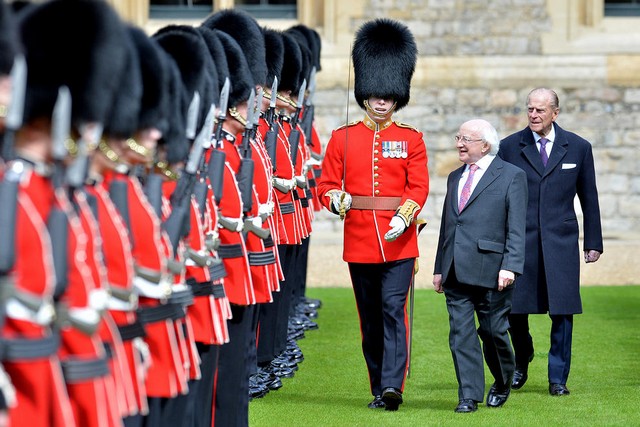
x=19, y=311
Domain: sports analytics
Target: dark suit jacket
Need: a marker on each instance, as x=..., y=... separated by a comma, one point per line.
x=488, y=235
x=552, y=226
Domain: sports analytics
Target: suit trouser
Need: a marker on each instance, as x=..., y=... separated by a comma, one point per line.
x=381, y=294
x=560, y=345
x=492, y=308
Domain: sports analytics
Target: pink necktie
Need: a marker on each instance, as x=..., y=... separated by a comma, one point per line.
x=543, y=151
x=466, y=190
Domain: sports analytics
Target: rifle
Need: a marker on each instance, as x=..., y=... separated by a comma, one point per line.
x=294, y=135
x=11, y=180
x=58, y=222
x=245, y=175
x=306, y=123
x=216, y=166
x=271, y=137
x=177, y=225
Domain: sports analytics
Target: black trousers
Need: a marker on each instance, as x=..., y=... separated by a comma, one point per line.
x=381, y=294
x=231, y=393
x=560, y=344
x=492, y=307
x=273, y=318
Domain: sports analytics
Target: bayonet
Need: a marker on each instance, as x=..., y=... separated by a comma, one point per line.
x=15, y=112
x=312, y=88
x=61, y=123
x=222, y=115
x=192, y=116
x=199, y=143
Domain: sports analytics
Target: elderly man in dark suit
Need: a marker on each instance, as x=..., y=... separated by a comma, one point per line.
x=480, y=252
x=559, y=166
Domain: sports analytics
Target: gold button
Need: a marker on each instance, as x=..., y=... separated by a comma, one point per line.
x=377, y=135
x=375, y=151
x=375, y=175
x=376, y=144
x=375, y=168
x=375, y=160
x=375, y=184
x=376, y=192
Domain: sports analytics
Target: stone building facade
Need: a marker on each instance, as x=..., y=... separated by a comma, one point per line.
x=480, y=58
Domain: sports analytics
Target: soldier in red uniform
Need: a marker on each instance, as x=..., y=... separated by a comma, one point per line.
x=48, y=31
x=375, y=176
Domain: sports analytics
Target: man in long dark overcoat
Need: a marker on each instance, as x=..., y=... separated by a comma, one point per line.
x=559, y=165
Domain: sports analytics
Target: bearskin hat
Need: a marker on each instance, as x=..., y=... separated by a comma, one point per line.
x=216, y=49
x=174, y=139
x=239, y=71
x=244, y=29
x=307, y=58
x=290, y=77
x=275, y=54
x=122, y=122
x=189, y=51
x=313, y=43
x=77, y=43
x=384, y=59
x=8, y=39
x=153, y=70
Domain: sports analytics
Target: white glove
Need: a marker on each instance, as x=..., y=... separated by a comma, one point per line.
x=7, y=389
x=337, y=200
x=265, y=210
x=257, y=221
x=397, y=227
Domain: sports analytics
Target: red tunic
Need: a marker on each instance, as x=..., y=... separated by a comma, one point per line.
x=41, y=395
x=389, y=162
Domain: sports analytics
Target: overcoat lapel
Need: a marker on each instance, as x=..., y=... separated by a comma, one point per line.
x=492, y=173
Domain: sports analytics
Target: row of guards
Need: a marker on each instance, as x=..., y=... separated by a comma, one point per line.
x=156, y=202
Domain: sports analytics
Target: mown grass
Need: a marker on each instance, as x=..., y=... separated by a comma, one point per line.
x=331, y=388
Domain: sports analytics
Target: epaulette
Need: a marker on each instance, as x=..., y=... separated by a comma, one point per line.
x=406, y=126
x=355, y=122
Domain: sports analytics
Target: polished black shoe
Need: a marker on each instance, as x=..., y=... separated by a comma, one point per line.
x=392, y=398
x=256, y=388
x=558, y=390
x=269, y=379
x=520, y=375
x=376, y=403
x=466, y=405
x=497, y=396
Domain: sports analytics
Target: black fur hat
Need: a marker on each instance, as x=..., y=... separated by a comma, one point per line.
x=307, y=58
x=153, y=69
x=244, y=29
x=174, y=139
x=384, y=59
x=313, y=42
x=218, y=56
x=189, y=51
x=8, y=39
x=122, y=122
x=239, y=71
x=290, y=78
x=77, y=43
x=274, y=47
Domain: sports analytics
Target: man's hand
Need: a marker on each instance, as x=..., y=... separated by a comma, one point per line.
x=340, y=201
x=437, y=283
x=591, y=256
x=397, y=227
x=505, y=278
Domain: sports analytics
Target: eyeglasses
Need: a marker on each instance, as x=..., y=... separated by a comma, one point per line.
x=465, y=139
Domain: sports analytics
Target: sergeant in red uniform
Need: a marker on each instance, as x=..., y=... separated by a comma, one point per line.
x=375, y=176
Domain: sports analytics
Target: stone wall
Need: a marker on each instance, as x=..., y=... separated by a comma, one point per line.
x=480, y=59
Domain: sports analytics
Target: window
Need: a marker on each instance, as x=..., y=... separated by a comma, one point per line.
x=269, y=9
x=165, y=9
x=622, y=8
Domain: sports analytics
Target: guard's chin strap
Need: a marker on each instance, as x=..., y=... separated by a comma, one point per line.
x=375, y=115
x=233, y=112
x=113, y=156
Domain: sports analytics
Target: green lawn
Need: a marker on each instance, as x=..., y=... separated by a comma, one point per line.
x=331, y=387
